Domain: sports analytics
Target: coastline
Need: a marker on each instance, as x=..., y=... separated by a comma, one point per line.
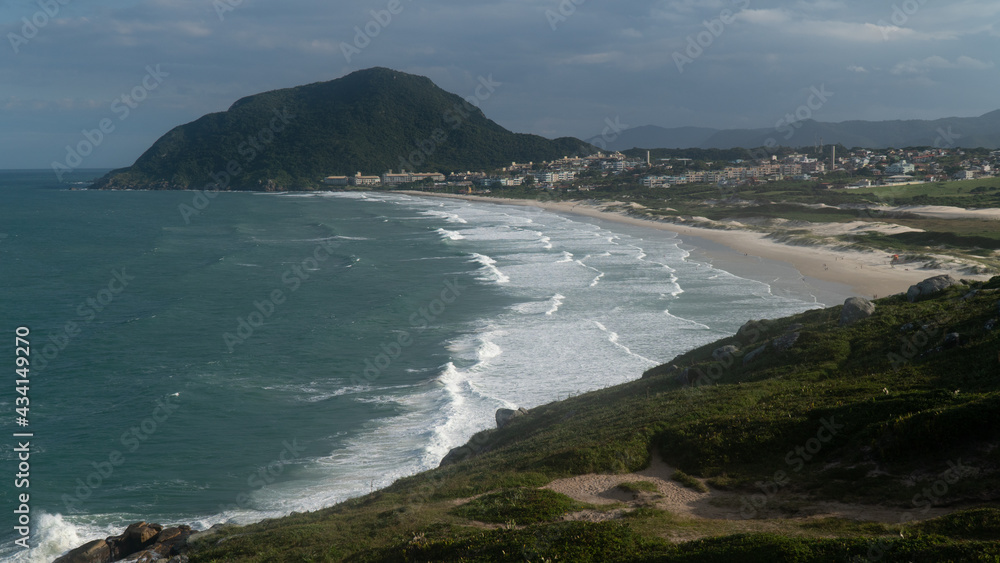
x=826, y=274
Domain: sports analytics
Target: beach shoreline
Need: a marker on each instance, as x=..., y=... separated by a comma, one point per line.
x=826, y=274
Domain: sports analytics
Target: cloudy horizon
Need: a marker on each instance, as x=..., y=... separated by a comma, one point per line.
x=564, y=67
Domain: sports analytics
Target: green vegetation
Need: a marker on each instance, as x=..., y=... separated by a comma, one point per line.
x=518, y=506
x=886, y=413
x=689, y=481
x=370, y=121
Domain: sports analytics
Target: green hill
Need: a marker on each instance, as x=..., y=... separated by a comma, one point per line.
x=789, y=423
x=369, y=121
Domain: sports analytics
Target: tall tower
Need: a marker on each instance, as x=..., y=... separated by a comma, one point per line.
x=833, y=159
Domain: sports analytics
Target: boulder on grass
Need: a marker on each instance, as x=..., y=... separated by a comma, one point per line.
x=930, y=286
x=856, y=309
x=504, y=416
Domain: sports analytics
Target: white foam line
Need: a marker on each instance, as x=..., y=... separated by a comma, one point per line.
x=491, y=265
x=600, y=274
x=557, y=301
x=613, y=338
x=451, y=235
x=695, y=323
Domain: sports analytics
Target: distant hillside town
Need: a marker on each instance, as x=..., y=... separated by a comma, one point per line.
x=864, y=167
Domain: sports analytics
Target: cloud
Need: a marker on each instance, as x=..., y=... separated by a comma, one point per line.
x=924, y=66
x=594, y=58
x=765, y=17
x=858, y=69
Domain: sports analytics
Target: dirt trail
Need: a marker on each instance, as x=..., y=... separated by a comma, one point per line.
x=713, y=505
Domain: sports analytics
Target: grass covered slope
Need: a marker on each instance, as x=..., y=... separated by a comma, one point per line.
x=892, y=412
x=369, y=121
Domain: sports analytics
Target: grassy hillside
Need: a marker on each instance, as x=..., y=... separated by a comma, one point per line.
x=890, y=412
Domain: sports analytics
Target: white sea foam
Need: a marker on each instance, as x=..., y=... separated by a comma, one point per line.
x=490, y=265
x=447, y=216
x=557, y=301
x=450, y=235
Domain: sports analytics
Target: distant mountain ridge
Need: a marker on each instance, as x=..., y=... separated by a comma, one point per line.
x=949, y=132
x=369, y=121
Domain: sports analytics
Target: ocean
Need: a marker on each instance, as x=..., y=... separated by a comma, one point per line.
x=203, y=360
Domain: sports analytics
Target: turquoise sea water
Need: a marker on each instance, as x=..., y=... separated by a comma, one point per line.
x=280, y=352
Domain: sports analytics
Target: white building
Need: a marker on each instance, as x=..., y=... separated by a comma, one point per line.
x=901, y=167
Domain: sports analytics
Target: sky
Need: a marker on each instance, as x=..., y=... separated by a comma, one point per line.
x=111, y=77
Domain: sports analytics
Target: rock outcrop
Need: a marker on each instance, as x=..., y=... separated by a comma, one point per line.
x=504, y=416
x=141, y=542
x=930, y=286
x=754, y=355
x=724, y=352
x=856, y=309
x=786, y=341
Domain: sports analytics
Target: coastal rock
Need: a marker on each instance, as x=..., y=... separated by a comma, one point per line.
x=930, y=286
x=97, y=551
x=137, y=537
x=141, y=543
x=856, y=309
x=660, y=370
x=454, y=456
x=786, y=341
x=690, y=376
x=719, y=354
x=952, y=340
x=754, y=355
x=504, y=416
x=752, y=332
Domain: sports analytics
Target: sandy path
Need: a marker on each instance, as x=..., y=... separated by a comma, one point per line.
x=943, y=212
x=673, y=497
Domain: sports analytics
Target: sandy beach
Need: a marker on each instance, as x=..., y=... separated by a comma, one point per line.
x=824, y=273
